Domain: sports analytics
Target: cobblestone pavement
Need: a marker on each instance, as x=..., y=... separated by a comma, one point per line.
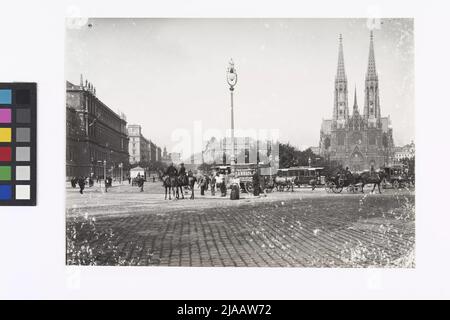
x=300, y=229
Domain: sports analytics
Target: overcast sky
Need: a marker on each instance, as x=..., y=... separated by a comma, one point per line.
x=165, y=74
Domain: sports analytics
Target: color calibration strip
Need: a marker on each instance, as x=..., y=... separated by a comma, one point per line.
x=18, y=144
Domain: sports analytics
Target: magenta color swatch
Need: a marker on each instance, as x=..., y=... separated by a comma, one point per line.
x=5, y=115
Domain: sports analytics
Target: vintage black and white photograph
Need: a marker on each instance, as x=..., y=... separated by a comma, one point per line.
x=213, y=142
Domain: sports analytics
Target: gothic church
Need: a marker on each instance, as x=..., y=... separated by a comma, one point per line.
x=357, y=141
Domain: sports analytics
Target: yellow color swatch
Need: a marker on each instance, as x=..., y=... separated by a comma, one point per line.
x=5, y=134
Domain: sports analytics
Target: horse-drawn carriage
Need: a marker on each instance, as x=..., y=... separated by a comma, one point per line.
x=339, y=180
x=354, y=182
x=397, y=176
x=299, y=176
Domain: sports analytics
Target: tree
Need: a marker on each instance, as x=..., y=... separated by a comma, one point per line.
x=288, y=155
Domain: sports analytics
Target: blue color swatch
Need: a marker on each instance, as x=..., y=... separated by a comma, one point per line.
x=5, y=192
x=5, y=96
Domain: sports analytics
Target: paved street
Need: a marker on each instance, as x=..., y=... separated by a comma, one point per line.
x=300, y=229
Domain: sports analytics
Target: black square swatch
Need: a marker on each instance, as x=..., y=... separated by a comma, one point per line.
x=23, y=96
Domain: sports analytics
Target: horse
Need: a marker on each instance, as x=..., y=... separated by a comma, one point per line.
x=282, y=182
x=191, y=182
x=375, y=178
x=170, y=183
x=182, y=181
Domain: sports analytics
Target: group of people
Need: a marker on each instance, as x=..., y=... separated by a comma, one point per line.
x=204, y=181
x=81, y=182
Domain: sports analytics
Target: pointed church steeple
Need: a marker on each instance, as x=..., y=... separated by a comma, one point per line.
x=371, y=67
x=340, y=111
x=340, y=74
x=371, y=100
x=355, y=104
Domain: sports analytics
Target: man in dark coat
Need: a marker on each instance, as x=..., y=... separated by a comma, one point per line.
x=256, y=186
x=171, y=170
x=182, y=174
x=82, y=184
x=141, y=183
x=182, y=171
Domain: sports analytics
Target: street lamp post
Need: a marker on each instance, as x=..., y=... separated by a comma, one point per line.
x=104, y=175
x=121, y=172
x=232, y=81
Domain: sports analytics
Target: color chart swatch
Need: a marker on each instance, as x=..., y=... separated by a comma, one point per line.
x=18, y=144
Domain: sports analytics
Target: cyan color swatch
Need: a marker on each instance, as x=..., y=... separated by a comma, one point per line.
x=5, y=96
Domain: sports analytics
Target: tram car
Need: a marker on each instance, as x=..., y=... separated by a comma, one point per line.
x=304, y=176
x=397, y=176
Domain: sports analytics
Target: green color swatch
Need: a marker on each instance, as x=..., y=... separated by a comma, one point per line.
x=5, y=173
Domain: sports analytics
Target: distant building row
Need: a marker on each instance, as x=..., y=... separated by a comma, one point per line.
x=141, y=149
x=97, y=138
x=247, y=150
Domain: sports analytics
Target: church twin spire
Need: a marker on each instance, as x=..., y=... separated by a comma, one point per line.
x=355, y=104
x=371, y=105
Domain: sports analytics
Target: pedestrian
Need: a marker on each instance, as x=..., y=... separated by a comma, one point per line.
x=223, y=188
x=207, y=182
x=263, y=186
x=73, y=182
x=202, y=182
x=129, y=179
x=213, y=184
x=372, y=170
x=141, y=184
x=154, y=179
x=81, y=183
x=256, y=185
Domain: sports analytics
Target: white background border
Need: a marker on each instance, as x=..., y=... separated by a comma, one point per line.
x=32, y=240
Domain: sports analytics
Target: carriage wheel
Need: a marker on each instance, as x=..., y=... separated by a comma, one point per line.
x=396, y=184
x=249, y=187
x=335, y=188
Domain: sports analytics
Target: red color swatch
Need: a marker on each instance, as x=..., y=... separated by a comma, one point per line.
x=5, y=153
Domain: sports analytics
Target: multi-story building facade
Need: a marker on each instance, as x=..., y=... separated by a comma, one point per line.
x=139, y=146
x=406, y=152
x=158, y=154
x=96, y=137
x=357, y=141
